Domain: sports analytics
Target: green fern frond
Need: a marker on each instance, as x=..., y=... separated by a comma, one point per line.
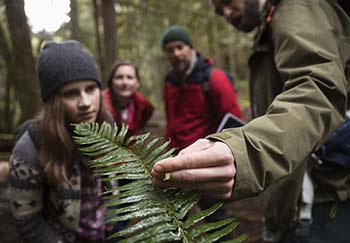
x=156, y=215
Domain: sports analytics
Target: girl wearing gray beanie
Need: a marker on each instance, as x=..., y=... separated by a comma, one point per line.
x=54, y=195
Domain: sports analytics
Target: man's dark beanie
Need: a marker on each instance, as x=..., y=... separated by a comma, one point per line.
x=176, y=33
x=61, y=63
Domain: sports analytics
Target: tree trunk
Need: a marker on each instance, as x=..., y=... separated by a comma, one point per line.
x=74, y=20
x=96, y=7
x=7, y=57
x=110, y=35
x=213, y=40
x=25, y=81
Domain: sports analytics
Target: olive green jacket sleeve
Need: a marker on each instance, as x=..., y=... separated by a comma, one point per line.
x=311, y=45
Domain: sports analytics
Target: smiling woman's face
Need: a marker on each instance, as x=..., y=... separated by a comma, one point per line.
x=125, y=82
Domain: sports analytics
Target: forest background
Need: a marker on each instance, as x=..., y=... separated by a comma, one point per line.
x=112, y=30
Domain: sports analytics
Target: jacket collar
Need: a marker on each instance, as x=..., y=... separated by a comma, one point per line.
x=266, y=15
x=197, y=75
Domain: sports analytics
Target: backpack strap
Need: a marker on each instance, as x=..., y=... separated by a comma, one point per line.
x=27, y=126
x=21, y=129
x=206, y=91
x=206, y=81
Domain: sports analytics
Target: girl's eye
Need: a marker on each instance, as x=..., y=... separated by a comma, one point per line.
x=91, y=88
x=69, y=94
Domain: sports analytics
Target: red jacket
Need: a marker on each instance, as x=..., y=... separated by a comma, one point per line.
x=141, y=112
x=189, y=116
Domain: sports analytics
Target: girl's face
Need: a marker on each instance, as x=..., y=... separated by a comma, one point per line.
x=81, y=101
x=125, y=82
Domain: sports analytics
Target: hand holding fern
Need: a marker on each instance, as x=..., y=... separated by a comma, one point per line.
x=206, y=166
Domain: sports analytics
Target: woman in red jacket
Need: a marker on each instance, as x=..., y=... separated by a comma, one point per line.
x=123, y=99
x=127, y=104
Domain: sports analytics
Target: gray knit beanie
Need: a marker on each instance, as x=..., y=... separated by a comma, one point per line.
x=176, y=33
x=61, y=63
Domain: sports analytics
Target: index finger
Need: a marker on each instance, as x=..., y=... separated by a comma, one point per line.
x=200, y=159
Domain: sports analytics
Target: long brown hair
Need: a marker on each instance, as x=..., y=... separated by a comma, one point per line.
x=56, y=148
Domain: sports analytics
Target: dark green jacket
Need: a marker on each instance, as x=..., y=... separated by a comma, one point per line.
x=299, y=91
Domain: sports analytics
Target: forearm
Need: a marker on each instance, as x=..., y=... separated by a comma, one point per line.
x=27, y=210
x=26, y=198
x=274, y=145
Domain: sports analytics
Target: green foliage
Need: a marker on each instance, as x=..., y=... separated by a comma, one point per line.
x=140, y=24
x=156, y=215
